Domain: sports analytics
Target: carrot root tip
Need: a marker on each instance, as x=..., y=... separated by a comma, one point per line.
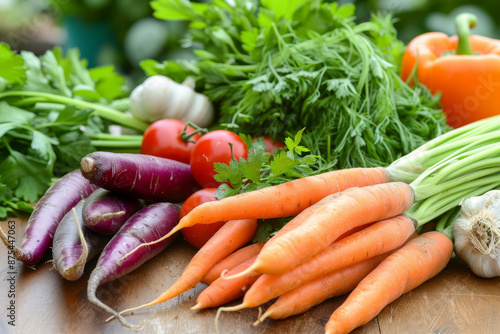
x=198, y=306
x=258, y=317
x=245, y=272
x=262, y=317
x=232, y=308
x=226, y=309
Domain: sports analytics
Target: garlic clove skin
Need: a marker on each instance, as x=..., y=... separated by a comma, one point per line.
x=148, y=100
x=159, y=97
x=477, y=234
x=201, y=111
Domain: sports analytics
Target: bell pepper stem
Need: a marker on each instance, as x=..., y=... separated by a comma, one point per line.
x=463, y=23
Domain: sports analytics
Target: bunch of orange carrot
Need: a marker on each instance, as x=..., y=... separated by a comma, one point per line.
x=354, y=230
x=364, y=242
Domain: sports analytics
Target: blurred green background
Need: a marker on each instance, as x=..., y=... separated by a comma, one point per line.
x=124, y=32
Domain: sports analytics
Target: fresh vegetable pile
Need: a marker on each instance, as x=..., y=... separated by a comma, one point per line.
x=347, y=222
x=315, y=181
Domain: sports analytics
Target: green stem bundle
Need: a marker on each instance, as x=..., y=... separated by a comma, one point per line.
x=101, y=110
x=461, y=163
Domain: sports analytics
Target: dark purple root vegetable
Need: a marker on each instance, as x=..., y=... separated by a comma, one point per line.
x=51, y=208
x=105, y=212
x=75, y=244
x=148, y=224
x=139, y=175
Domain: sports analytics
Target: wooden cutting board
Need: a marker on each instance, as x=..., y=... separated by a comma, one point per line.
x=455, y=301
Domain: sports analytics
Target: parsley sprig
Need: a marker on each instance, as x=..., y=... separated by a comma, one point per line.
x=262, y=169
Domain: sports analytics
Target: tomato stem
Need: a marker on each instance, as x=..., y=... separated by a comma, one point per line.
x=197, y=130
x=231, y=148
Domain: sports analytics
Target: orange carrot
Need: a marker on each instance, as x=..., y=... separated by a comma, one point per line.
x=304, y=216
x=374, y=240
x=283, y=200
x=287, y=199
x=346, y=210
x=231, y=261
x=222, y=291
x=313, y=293
x=416, y=262
x=226, y=240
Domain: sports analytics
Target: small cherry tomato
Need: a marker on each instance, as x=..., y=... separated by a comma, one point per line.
x=211, y=148
x=199, y=234
x=163, y=139
x=270, y=144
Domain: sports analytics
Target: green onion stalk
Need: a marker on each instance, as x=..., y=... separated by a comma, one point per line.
x=114, y=113
x=116, y=143
x=462, y=163
x=473, y=136
x=102, y=111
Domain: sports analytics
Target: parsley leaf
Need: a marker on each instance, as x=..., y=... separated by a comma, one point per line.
x=108, y=84
x=266, y=228
x=29, y=176
x=9, y=205
x=280, y=10
x=11, y=66
x=173, y=10
x=262, y=169
x=11, y=114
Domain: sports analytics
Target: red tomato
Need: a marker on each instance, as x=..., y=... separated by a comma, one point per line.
x=211, y=148
x=163, y=139
x=199, y=234
x=270, y=144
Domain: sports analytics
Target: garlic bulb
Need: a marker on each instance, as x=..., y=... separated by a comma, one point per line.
x=477, y=234
x=159, y=97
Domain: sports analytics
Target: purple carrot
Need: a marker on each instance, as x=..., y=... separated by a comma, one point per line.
x=105, y=212
x=139, y=175
x=51, y=208
x=74, y=244
x=148, y=224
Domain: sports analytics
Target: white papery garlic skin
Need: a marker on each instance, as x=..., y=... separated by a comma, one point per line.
x=159, y=97
x=477, y=234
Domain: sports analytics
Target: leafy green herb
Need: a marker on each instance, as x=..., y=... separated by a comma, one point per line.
x=274, y=69
x=11, y=67
x=65, y=80
x=11, y=205
x=266, y=228
x=262, y=169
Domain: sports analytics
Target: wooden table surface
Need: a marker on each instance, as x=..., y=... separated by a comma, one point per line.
x=455, y=301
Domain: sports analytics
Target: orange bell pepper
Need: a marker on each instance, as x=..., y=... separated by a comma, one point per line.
x=465, y=69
